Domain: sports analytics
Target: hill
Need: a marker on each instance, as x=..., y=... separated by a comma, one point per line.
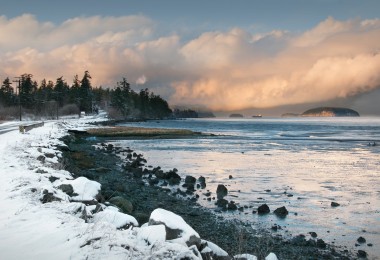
x=330, y=112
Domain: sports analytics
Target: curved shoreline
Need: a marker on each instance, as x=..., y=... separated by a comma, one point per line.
x=233, y=236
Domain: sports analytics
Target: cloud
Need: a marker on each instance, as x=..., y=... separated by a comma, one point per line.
x=221, y=70
x=141, y=80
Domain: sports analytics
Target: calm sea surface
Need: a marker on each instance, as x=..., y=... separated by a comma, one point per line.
x=305, y=163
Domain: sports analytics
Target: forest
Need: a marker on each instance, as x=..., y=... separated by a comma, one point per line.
x=25, y=97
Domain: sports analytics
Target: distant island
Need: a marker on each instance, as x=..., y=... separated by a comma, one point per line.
x=290, y=115
x=330, y=112
x=236, y=115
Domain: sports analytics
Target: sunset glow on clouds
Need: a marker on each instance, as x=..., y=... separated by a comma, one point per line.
x=222, y=70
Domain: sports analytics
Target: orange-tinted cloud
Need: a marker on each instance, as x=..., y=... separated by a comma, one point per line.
x=229, y=70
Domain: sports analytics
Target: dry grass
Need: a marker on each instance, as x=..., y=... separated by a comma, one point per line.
x=138, y=131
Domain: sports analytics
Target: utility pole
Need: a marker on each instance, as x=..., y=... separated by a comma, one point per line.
x=19, y=93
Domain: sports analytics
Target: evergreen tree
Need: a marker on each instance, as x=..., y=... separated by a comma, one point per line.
x=27, y=90
x=61, y=90
x=85, y=93
x=6, y=93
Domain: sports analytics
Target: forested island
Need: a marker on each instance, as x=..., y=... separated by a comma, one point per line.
x=330, y=112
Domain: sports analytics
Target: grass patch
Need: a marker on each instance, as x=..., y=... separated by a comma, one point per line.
x=122, y=131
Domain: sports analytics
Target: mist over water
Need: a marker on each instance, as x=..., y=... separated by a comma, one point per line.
x=301, y=163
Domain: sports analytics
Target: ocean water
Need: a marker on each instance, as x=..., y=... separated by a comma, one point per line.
x=301, y=163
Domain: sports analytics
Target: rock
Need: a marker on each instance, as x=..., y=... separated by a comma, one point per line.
x=313, y=234
x=281, y=212
x=362, y=254
x=299, y=240
x=210, y=251
x=245, y=257
x=160, y=174
x=263, y=209
x=152, y=234
x=207, y=194
x=176, y=228
x=221, y=203
x=370, y=244
x=118, y=219
x=271, y=256
x=202, y=182
x=190, y=180
x=48, y=197
x=122, y=203
x=109, y=147
x=334, y=204
x=67, y=188
x=53, y=179
x=49, y=155
x=230, y=177
x=361, y=240
x=173, y=178
x=231, y=206
x=321, y=243
x=41, y=158
x=221, y=191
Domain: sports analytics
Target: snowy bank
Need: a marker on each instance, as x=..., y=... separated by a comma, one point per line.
x=47, y=214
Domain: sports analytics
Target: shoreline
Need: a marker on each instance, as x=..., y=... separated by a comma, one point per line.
x=146, y=197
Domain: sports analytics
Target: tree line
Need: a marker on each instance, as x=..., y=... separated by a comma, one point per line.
x=49, y=98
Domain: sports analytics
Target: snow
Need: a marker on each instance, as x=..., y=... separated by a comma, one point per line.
x=245, y=257
x=211, y=247
x=173, y=221
x=115, y=218
x=30, y=229
x=85, y=188
x=271, y=256
x=152, y=234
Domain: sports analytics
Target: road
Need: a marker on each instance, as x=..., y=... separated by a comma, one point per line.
x=9, y=126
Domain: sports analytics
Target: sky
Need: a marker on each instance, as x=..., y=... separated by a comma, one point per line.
x=254, y=56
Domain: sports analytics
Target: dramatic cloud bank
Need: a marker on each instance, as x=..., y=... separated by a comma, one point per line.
x=228, y=70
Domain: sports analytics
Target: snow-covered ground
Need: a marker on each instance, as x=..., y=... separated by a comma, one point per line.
x=69, y=227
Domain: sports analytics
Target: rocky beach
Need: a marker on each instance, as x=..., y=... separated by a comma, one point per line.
x=137, y=188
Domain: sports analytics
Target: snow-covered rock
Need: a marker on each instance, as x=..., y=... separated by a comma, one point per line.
x=212, y=250
x=118, y=219
x=177, y=230
x=152, y=234
x=271, y=256
x=245, y=257
x=84, y=189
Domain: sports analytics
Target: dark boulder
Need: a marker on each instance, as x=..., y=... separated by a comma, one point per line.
x=335, y=204
x=221, y=203
x=321, y=243
x=263, y=209
x=361, y=240
x=281, y=212
x=362, y=254
x=313, y=234
x=221, y=191
x=202, y=182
